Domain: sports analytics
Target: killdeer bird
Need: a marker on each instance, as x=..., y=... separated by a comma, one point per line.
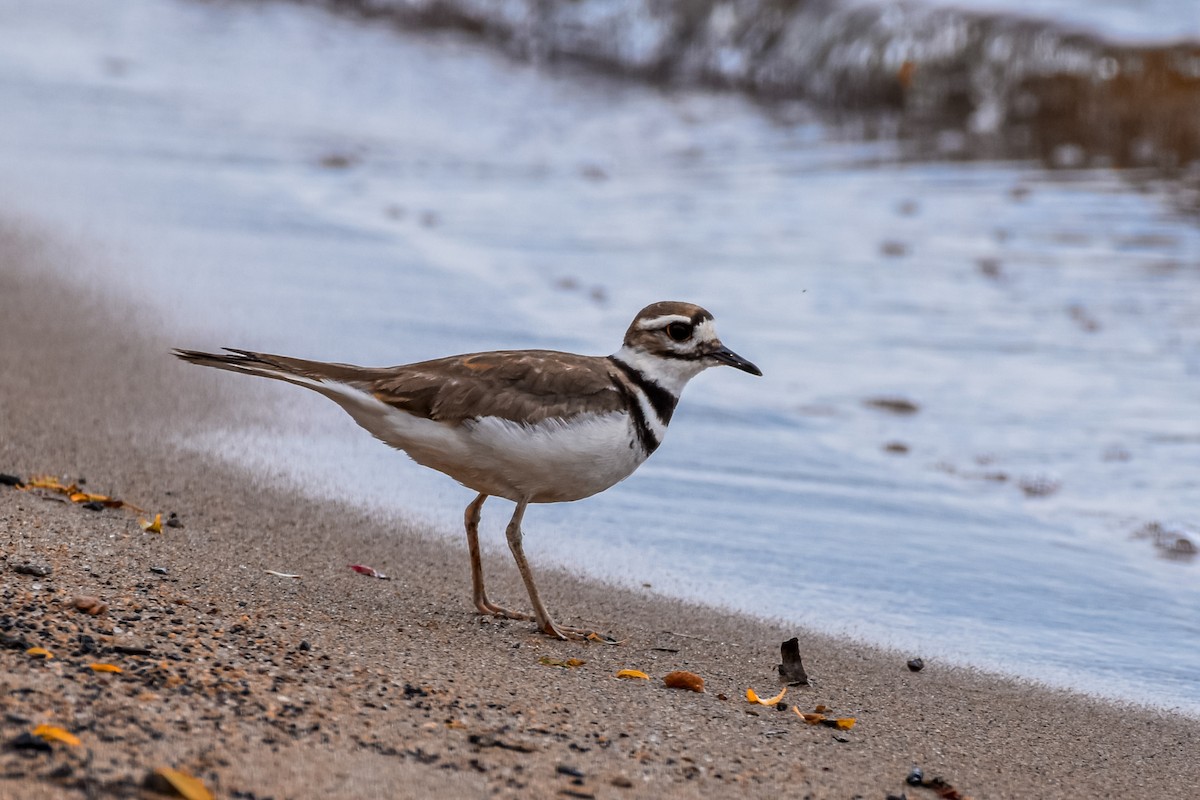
x=531, y=426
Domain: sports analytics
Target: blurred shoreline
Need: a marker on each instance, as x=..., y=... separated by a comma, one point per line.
x=952, y=83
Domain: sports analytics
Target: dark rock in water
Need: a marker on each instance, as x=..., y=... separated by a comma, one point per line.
x=792, y=670
x=896, y=405
x=916, y=664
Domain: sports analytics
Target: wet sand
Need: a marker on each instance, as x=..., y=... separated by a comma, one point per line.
x=340, y=685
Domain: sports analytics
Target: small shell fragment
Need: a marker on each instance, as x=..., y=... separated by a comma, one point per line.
x=105, y=668
x=753, y=697
x=152, y=526
x=39, y=651
x=681, y=679
x=634, y=674
x=371, y=572
x=188, y=786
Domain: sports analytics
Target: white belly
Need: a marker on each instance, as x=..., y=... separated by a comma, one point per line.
x=550, y=462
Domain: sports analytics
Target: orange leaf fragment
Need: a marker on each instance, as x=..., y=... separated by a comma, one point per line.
x=844, y=723
x=569, y=663
x=753, y=697
x=39, y=651
x=821, y=708
x=635, y=674
x=85, y=497
x=152, y=527
x=54, y=734
x=811, y=719
x=188, y=786
x=684, y=680
x=48, y=482
x=105, y=668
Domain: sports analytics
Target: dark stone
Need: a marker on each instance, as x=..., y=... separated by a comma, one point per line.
x=566, y=769
x=28, y=742
x=916, y=664
x=92, y=505
x=792, y=669
x=305, y=647
x=10, y=480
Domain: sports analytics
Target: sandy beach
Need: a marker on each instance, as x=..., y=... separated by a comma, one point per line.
x=339, y=685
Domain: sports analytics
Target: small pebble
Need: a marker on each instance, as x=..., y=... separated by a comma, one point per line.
x=684, y=680
x=916, y=664
x=159, y=570
x=564, y=769
x=90, y=605
x=36, y=570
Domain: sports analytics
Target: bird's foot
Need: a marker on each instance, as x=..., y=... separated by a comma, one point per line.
x=576, y=634
x=486, y=606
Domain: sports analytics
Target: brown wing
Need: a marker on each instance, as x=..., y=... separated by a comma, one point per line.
x=525, y=386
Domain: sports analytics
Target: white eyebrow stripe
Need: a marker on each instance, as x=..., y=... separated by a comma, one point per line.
x=663, y=321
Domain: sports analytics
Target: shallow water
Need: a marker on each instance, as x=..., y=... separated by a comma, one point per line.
x=279, y=180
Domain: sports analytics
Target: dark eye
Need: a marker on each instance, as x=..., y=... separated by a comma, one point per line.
x=679, y=331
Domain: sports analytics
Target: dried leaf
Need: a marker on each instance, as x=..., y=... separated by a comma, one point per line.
x=152, y=527
x=105, y=668
x=39, y=651
x=569, y=663
x=369, y=571
x=844, y=723
x=753, y=697
x=684, y=680
x=635, y=674
x=54, y=734
x=186, y=785
x=811, y=719
x=281, y=574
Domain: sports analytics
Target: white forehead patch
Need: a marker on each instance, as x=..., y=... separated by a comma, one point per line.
x=705, y=332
